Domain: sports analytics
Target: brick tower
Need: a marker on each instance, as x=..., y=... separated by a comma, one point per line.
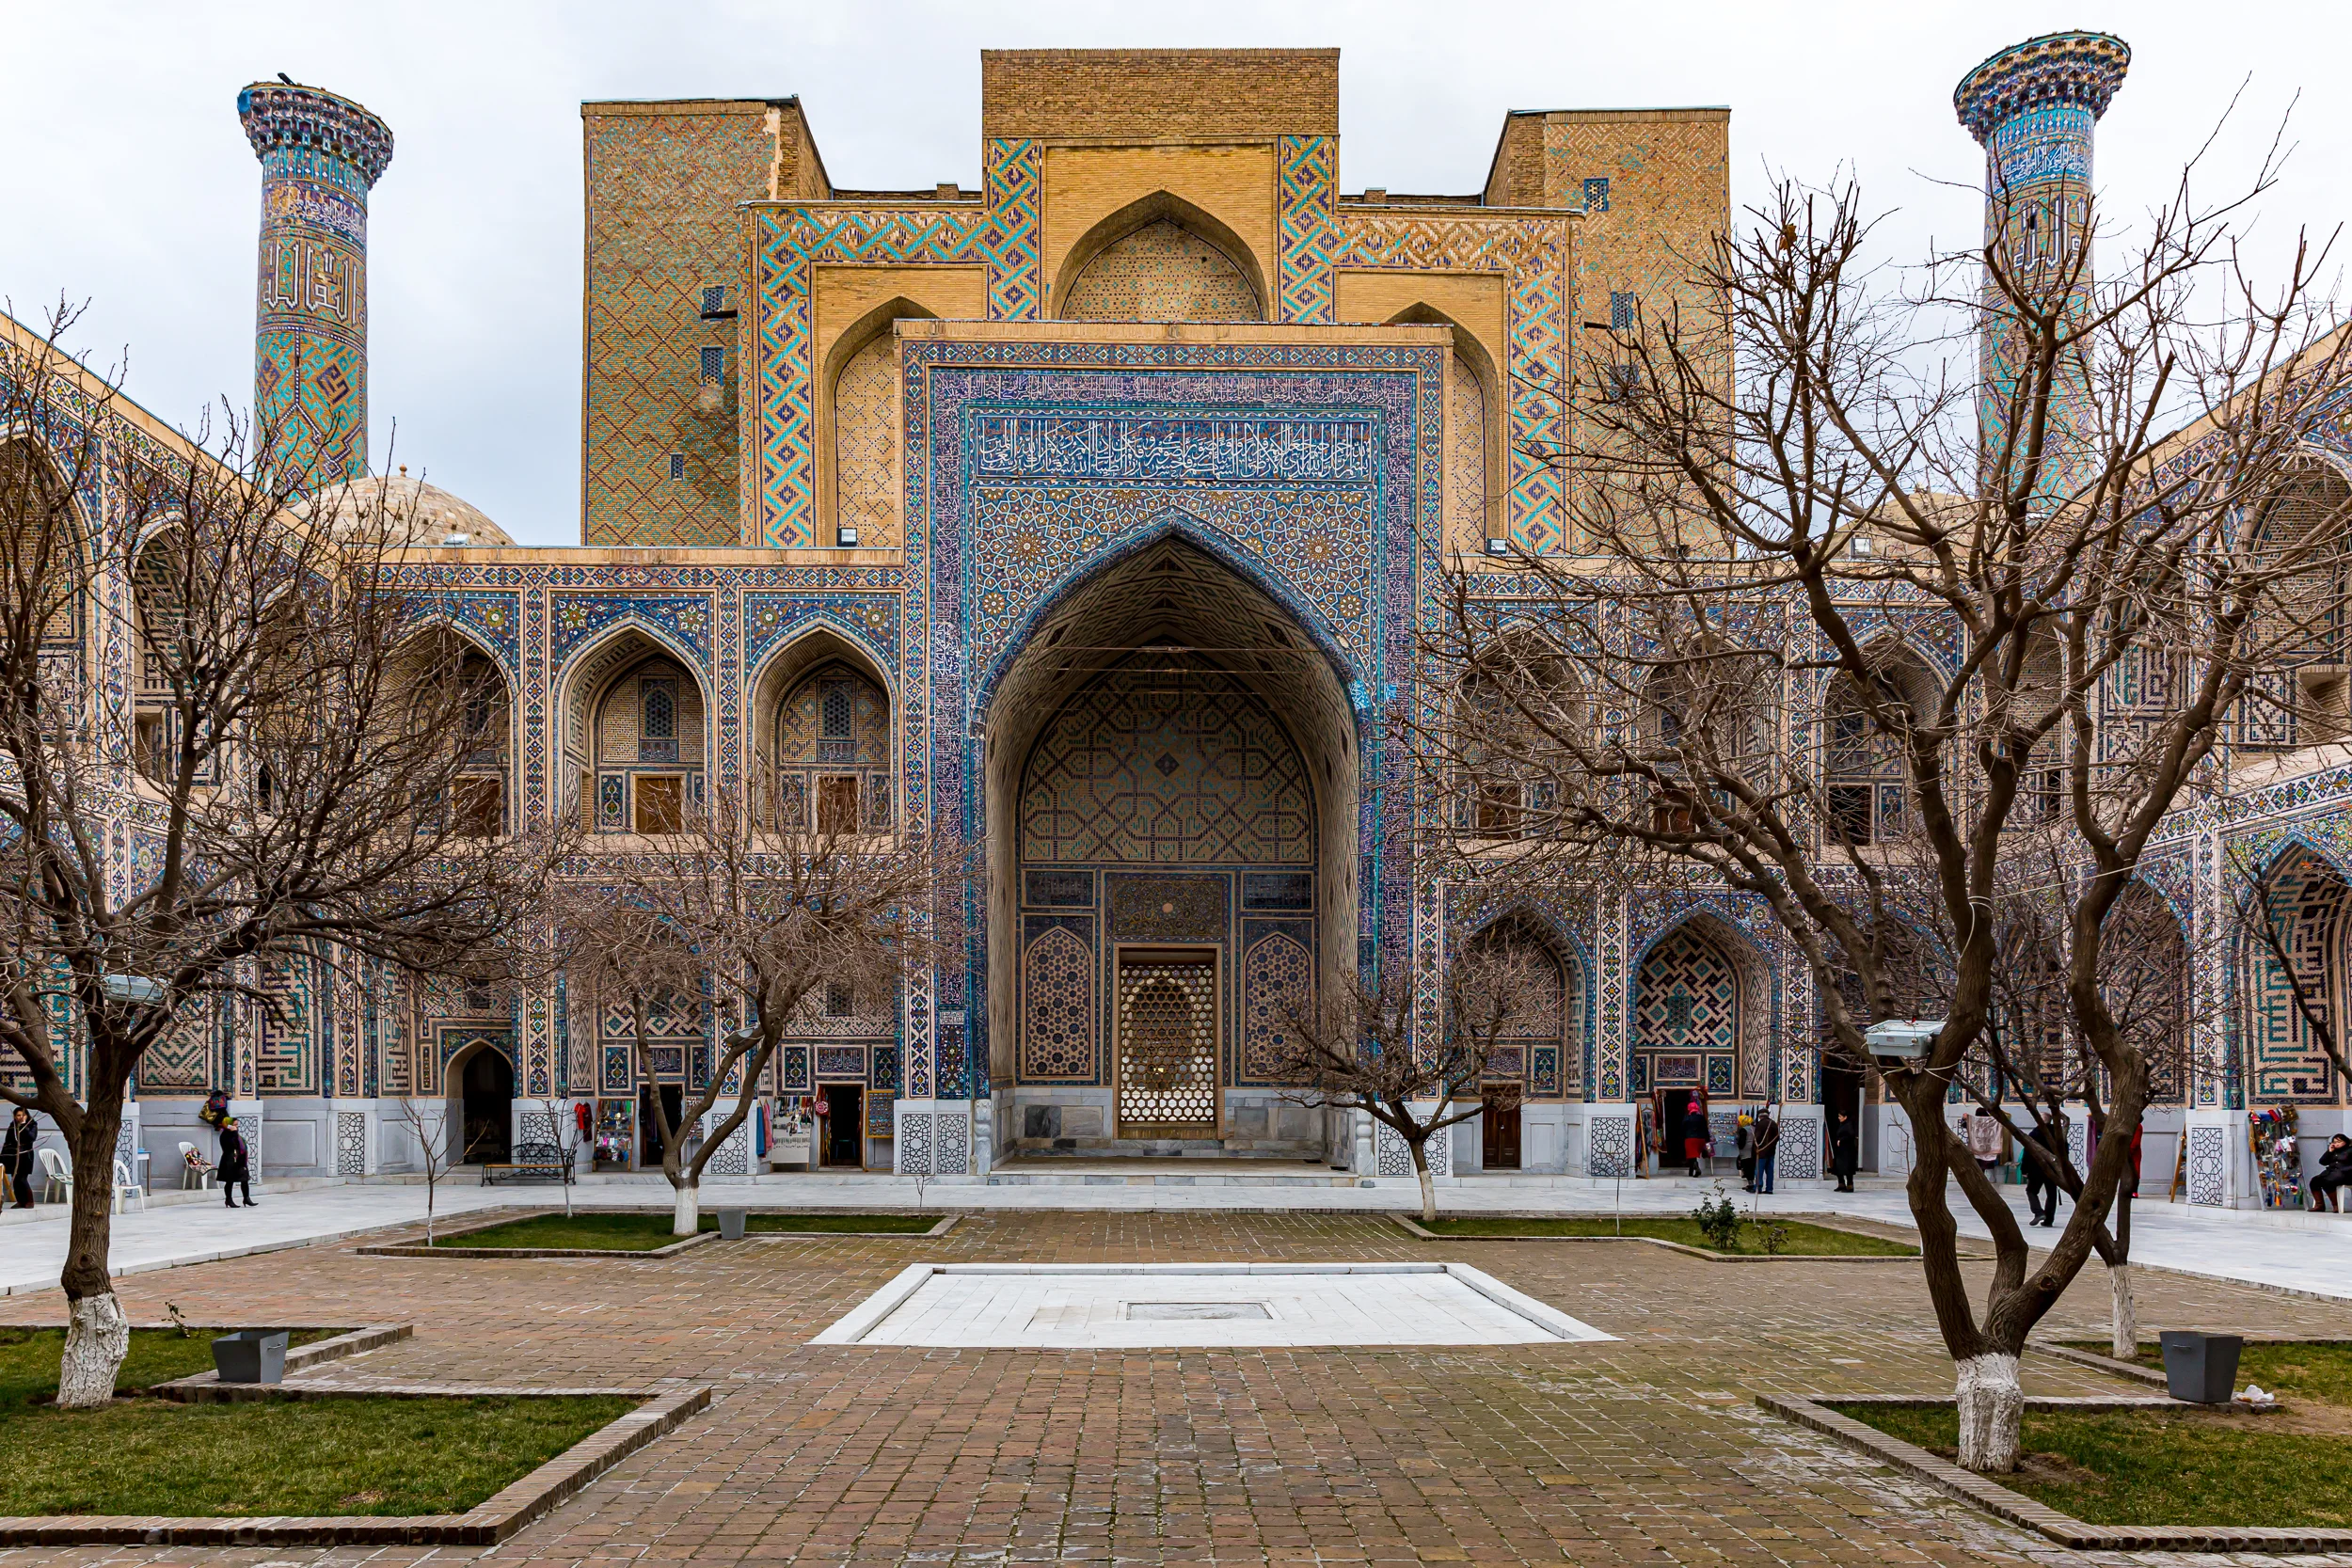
x=320, y=157
x=2034, y=107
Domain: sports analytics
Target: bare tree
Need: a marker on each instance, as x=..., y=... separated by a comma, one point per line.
x=1362, y=1046
x=283, y=771
x=2104, y=602
x=737, y=927
x=569, y=1137
x=432, y=1135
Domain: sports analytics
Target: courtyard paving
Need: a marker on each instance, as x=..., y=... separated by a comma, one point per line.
x=1644, y=1449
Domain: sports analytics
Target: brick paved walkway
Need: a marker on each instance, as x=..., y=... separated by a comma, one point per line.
x=1645, y=1450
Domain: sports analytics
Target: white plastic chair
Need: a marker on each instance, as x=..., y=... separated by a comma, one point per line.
x=125, y=1187
x=203, y=1175
x=55, y=1173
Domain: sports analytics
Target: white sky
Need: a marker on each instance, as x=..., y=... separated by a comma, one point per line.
x=129, y=183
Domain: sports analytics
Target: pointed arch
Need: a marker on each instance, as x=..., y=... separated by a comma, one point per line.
x=1545, y=1040
x=1476, y=452
x=1865, y=779
x=636, y=730
x=1162, y=207
x=1704, y=1003
x=2305, y=896
x=860, y=471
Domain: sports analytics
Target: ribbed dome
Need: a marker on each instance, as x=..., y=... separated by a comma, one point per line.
x=410, y=510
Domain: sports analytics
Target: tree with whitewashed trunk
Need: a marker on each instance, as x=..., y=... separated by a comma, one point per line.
x=725, y=929
x=188, y=661
x=1837, y=584
x=1369, y=1045
x=427, y=1122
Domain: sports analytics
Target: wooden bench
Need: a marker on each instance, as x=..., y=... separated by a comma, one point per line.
x=531, y=1162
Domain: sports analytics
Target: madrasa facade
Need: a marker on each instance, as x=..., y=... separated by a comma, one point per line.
x=1095, y=516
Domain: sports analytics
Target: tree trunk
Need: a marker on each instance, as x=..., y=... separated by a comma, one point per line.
x=687, y=1217
x=1991, y=1405
x=97, y=1335
x=2126, y=1339
x=1428, y=1186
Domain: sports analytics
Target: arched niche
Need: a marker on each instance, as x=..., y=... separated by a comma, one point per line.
x=861, y=469
x=157, y=591
x=1518, y=714
x=458, y=674
x=2144, y=984
x=1865, y=779
x=795, y=750
x=2304, y=897
x=1160, y=259
x=1178, y=699
x=44, y=563
x=1702, y=1014
x=2302, y=531
x=635, y=736
x=1476, y=455
x=1542, y=1051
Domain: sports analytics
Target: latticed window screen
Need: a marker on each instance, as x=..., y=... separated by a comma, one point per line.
x=1167, y=1047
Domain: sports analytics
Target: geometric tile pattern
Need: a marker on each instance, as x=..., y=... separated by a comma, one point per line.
x=1162, y=272
x=1057, y=1006
x=1277, y=976
x=1147, y=768
x=2306, y=900
x=1306, y=198
x=1532, y=254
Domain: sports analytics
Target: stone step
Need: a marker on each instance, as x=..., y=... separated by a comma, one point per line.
x=1166, y=1148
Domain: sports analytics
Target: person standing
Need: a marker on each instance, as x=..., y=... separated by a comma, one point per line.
x=2047, y=1144
x=1695, y=1135
x=1766, y=1147
x=1982, y=1134
x=236, y=1170
x=1746, y=1150
x=1844, y=1152
x=16, y=1155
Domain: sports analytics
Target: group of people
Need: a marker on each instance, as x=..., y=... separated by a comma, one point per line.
x=235, y=1170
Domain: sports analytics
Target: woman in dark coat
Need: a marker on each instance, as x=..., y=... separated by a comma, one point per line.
x=1844, y=1158
x=236, y=1170
x=16, y=1155
x=1695, y=1135
x=2334, y=1176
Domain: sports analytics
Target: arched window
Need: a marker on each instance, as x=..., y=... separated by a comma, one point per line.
x=646, y=766
x=2306, y=699
x=833, y=754
x=1865, y=787
x=1519, y=713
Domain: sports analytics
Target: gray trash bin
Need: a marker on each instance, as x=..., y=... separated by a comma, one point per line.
x=731, y=1224
x=2200, y=1368
x=251, y=1355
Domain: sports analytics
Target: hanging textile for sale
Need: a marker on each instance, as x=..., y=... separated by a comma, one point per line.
x=2277, y=1165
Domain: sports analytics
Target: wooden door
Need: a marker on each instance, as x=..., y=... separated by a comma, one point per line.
x=1499, y=1135
x=661, y=802
x=836, y=806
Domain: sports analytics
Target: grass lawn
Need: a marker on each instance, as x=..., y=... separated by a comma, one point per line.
x=2317, y=1369
x=147, y=1456
x=642, y=1231
x=28, y=1360
x=1802, y=1237
x=2158, y=1468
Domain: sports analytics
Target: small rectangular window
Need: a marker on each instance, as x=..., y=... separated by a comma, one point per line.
x=836, y=806
x=479, y=807
x=714, y=365
x=837, y=713
x=840, y=1000
x=661, y=803
x=1623, y=308
x=1597, y=195
x=714, y=300
x=677, y=465
x=1850, y=812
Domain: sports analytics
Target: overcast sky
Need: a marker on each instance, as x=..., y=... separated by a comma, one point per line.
x=129, y=183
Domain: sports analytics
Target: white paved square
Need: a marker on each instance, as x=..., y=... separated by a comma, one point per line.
x=1145, y=1306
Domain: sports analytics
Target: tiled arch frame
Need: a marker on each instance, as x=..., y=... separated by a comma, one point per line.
x=1755, y=961
x=2304, y=880
x=591, y=664
x=766, y=681
x=1571, y=947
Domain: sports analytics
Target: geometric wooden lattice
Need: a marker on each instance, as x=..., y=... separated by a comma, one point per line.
x=1167, y=1047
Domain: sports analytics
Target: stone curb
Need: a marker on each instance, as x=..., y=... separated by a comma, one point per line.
x=2018, y=1509
x=356, y=1342
x=2102, y=1363
x=408, y=1249
x=484, y=1524
x=1686, y=1249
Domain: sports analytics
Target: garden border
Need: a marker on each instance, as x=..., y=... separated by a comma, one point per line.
x=417, y=1249
x=358, y=1341
x=1415, y=1227
x=1811, y=1411
x=493, y=1520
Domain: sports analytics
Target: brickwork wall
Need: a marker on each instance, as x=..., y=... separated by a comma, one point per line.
x=1159, y=94
x=662, y=183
